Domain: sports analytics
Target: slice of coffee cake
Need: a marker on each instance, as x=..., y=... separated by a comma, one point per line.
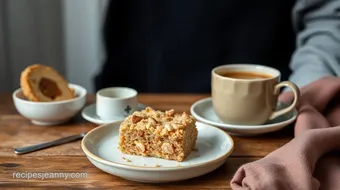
x=166, y=135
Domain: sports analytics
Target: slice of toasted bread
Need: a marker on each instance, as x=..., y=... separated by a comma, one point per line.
x=41, y=83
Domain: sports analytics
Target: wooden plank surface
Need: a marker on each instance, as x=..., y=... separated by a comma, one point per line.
x=17, y=131
x=218, y=179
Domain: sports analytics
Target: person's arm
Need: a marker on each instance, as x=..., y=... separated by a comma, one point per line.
x=317, y=54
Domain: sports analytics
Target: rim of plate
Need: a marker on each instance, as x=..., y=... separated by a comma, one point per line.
x=149, y=168
x=231, y=126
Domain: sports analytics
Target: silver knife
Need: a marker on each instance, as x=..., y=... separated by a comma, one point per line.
x=32, y=148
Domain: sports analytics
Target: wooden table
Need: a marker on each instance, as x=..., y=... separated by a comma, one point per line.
x=17, y=131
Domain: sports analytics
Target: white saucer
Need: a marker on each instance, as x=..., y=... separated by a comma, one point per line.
x=100, y=146
x=203, y=111
x=89, y=114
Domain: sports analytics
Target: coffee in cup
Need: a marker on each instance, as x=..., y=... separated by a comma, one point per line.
x=116, y=103
x=246, y=94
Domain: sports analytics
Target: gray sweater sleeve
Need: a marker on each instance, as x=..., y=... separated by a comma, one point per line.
x=317, y=54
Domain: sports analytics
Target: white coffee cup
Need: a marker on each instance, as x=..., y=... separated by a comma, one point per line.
x=116, y=103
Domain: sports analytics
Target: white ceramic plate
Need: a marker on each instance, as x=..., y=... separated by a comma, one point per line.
x=203, y=111
x=100, y=146
x=89, y=114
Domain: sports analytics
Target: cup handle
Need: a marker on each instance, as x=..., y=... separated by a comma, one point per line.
x=296, y=93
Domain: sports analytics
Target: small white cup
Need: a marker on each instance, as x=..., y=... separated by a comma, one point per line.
x=116, y=103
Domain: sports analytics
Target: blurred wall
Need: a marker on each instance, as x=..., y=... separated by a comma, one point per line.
x=32, y=33
x=83, y=22
x=4, y=86
x=64, y=34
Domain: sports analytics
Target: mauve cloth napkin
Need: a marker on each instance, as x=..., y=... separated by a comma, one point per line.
x=308, y=162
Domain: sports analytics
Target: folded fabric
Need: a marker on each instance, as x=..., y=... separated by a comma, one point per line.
x=304, y=162
x=292, y=166
x=327, y=171
x=322, y=96
x=332, y=112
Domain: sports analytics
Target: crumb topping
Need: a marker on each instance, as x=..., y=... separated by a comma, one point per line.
x=157, y=121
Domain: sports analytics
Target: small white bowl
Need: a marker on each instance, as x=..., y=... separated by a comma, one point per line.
x=50, y=113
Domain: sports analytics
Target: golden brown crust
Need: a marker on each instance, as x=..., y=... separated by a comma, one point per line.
x=30, y=82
